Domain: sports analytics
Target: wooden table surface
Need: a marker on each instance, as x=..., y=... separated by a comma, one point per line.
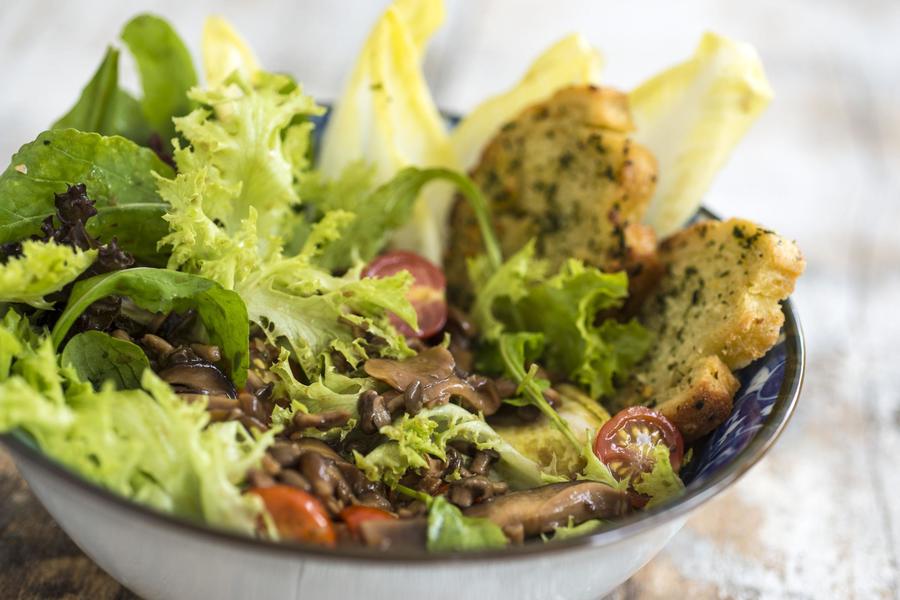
x=820, y=516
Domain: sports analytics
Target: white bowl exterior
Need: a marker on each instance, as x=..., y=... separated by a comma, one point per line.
x=165, y=562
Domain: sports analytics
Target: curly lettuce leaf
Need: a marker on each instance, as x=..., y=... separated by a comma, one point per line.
x=661, y=483
x=240, y=136
x=232, y=208
x=412, y=439
x=221, y=311
x=386, y=116
x=154, y=448
x=570, y=61
x=451, y=531
x=691, y=117
x=118, y=174
x=330, y=391
x=43, y=268
x=521, y=297
x=98, y=358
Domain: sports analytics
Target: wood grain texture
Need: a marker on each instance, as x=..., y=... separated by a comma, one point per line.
x=820, y=516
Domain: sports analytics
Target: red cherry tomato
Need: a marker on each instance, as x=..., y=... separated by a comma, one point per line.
x=354, y=516
x=298, y=516
x=427, y=294
x=625, y=442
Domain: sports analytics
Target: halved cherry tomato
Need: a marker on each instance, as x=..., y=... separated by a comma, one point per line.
x=625, y=442
x=427, y=294
x=298, y=516
x=354, y=516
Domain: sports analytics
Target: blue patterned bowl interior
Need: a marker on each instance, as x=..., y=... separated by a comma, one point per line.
x=761, y=382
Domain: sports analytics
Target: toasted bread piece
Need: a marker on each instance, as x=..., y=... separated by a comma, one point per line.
x=716, y=309
x=565, y=172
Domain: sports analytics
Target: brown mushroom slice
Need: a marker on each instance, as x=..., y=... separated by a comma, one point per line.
x=434, y=370
x=542, y=510
x=198, y=378
x=395, y=534
x=429, y=367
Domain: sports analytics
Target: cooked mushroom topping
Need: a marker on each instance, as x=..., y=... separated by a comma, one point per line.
x=270, y=465
x=294, y=479
x=157, y=345
x=326, y=481
x=322, y=421
x=413, y=398
x=213, y=401
x=435, y=371
x=482, y=461
x=259, y=479
x=477, y=488
x=543, y=509
x=373, y=414
x=188, y=373
x=393, y=534
x=208, y=353
x=198, y=378
x=121, y=334
x=286, y=453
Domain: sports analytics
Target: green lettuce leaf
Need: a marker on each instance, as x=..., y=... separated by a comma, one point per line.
x=661, y=483
x=98, y=358
x=221, y=311
x=165, y=68
x=512, y=349
x=330, y=391
x=98, y=107
x=451, y=531
x=520, y=297
x=119, y=176
x=378, y=212
x=572, y=531
x=232, y=208
x=412, y=439
x=166, y=72
x=43, y=268
x=155, y=448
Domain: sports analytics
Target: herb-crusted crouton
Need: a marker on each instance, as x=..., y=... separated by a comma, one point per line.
x=566, y=173
x=716, y=309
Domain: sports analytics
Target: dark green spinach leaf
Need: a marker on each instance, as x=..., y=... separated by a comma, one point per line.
x=98, y=357
x=119, y=178
x=221, y=311
x=166, y=71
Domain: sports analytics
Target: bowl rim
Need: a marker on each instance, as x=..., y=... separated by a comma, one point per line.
x=777, y=420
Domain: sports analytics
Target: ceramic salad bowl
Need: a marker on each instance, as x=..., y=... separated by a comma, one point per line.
x=160, y=556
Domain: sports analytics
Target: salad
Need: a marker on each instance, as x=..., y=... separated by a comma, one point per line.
x=376, y=335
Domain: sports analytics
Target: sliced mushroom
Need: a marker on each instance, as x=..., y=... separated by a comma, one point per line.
x=395, y=534
x=477, y=488
x=322, y=421
x=188, y=373
x=433, y=371
x=543, y=509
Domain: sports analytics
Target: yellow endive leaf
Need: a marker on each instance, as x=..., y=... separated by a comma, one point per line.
x=691, y=116
x=570, y=61
x=225, y=51
x=387, y=117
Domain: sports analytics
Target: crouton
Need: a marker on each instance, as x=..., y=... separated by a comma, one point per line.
x=566, y=173
x=716, y=309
